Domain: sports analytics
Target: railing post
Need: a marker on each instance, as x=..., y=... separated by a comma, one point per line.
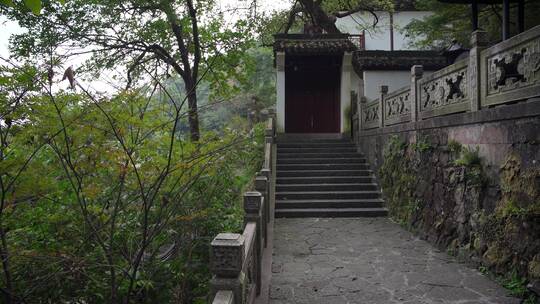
x=361, y=105
x=383, y=90
x=479, y=42
x=269, y=132
x=267, y=172
x=227, y=257
x=416, y=73
x=253, y=205
x=261, y=185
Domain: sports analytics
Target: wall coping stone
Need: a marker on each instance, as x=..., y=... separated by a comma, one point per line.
x=530, y=108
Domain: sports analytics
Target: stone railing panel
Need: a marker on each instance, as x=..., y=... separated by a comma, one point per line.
x=510, y=70
x=397, y=106
x=251, y=263
x=445, y=91
x=371, y=115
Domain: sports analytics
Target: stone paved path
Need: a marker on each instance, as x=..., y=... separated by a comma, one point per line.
x=368, y=261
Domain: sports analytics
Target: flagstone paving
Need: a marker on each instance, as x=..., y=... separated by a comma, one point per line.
x=368, y=261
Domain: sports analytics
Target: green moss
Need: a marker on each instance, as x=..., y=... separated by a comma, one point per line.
x=519, y=189
x=398, y=182
x=475, y=176
x=511, y=209
x=534, y=267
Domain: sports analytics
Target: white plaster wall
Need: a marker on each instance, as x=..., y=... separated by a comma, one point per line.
x=393, y=79
x=280, y=92
x=378, y=38
x=357, y=84
x=345, y=92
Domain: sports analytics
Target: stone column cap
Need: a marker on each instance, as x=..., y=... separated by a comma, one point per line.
x=228, y=239
x=417, y=70
x=252, y=201
x=479, y=38
x=227, y=254
x=260, y=182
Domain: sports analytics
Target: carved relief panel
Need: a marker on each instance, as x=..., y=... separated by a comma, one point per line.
x=370, y=115
x=510, y=70
x=515, y=68
x=445, y=90
x=398, y=105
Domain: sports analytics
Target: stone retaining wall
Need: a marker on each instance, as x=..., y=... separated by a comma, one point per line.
x=468, y=183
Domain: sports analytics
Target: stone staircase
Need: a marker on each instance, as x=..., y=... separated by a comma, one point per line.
x=324, y=177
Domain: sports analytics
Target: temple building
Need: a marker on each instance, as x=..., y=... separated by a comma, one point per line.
x=320, y=76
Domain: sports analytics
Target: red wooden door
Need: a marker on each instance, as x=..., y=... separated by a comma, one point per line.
x=312, y=95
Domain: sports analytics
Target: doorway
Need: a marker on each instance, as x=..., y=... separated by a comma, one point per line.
x=312, y=86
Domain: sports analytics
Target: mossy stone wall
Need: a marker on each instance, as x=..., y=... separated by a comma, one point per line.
x=473, y=190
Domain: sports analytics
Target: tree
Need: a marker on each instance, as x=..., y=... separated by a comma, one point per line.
x=33, y=5
x=323, y=14
x=452, y=22
x=100, y=203
x=160, y=37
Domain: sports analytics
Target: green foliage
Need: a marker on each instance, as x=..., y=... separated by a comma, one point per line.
x=483, y=270
x=421, y=146
x=451, y=22
x=454, y=146
x=469, y=157
x=105, y=201
x=516, y=284
x=33, y=5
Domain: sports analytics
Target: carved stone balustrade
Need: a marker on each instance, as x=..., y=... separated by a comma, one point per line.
x=444, y=92
x=504, y=73
x=397, y=106
x=511, y=69
x=370, y=115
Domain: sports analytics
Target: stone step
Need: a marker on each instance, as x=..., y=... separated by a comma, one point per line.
x=300, y=138
x=316, y=145
x=324, y=180
x=321, y=173
x=342, y=203
x=319, y=155
x=341, y=160
x=285, y=167
x=302, y=195
x=332, y=212
x=325, y=187
x=316, y=150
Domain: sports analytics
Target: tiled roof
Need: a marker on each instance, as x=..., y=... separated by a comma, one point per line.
x=313, y=44
x=397, y=60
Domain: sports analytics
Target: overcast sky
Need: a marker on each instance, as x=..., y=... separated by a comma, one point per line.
x=9, y=27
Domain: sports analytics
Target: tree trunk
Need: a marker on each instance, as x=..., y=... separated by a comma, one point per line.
x=5, y=265
x=320, y=17
x=193, y=117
